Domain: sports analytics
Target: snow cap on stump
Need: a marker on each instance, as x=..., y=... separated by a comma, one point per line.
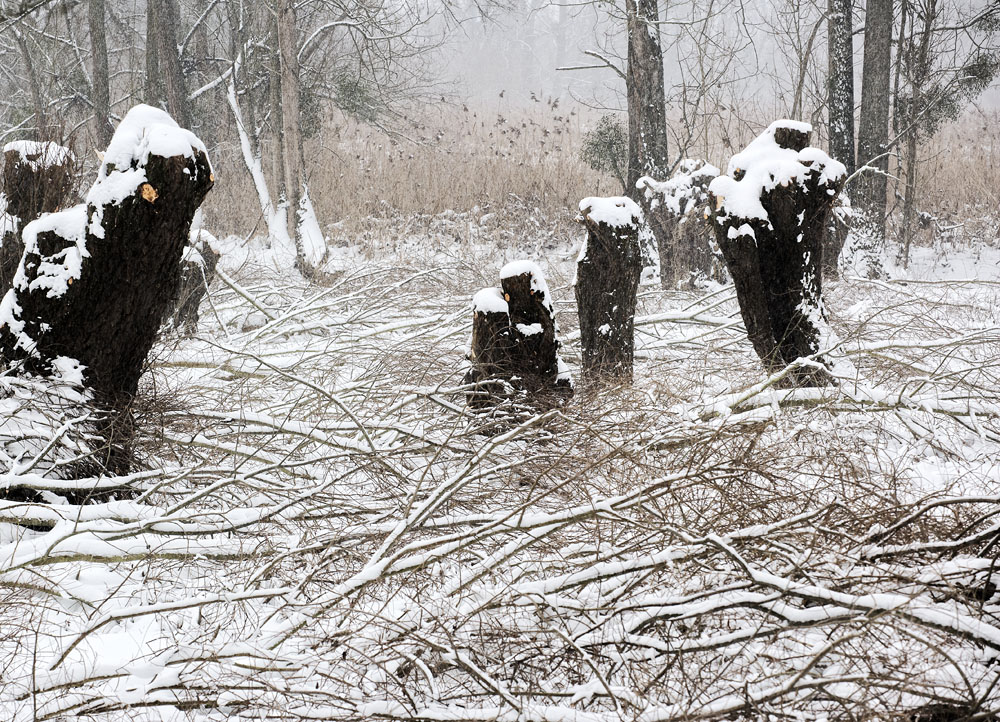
x=489, y=300
x=779, y=156
x=144, y=131
x=616, y=211
x=534, y=271
x=683, y=191
x=39, y=155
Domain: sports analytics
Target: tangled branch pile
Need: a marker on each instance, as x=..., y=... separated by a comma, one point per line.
x=325, y=531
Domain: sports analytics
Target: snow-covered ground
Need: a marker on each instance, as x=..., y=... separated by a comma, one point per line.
x=326, y=532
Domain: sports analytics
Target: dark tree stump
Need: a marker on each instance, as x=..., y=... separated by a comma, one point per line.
x=37, y=179
x=770, y=216
x=515, y=341
x=197, y=273
x=677, y=210
x=607, y=280
x=491, y=348
x=96, y=280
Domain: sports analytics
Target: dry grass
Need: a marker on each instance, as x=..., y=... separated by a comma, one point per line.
x=458, y=159
x=522, y=171
x=960, y=174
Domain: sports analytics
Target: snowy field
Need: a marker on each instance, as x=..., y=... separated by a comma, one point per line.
x=325, y=532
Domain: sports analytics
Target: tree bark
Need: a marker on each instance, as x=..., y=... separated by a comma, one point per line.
x=37, y=179
x=647, y=115
x=840, y=99
x=917, y=64
x=154, y=80
x=607, y=280
x=42, y=130
x=776, y=260
x=101, y=94
x=491, y=348
x=98, y=299
x=869, y=192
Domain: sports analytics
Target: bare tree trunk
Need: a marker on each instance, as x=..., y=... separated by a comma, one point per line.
x=101, y=95
x=277, y=125
x=561, y=29
x=909, y=197
x=607, y=279
x=840, y=101
x=869, y=191
x=841, y=82
x=42, y=130
x=291, y=121
x=917, y=70
x=154, y=81
x=167, y=24
x=647, y=115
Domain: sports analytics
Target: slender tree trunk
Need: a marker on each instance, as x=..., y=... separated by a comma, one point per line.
x=841, y=82
x=167, y=25
x=873, y=129
x=301, y=221
x=840, y=102
x=101, y=96
x=154, y=82
x=909, y=197
x=290, y=105
x=918, y=70
x=647, y=115
x=277, y=125
x=291, y=129
x=561, y=30
x=41, y=121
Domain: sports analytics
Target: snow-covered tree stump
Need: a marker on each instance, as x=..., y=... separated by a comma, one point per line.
x=515, y=340
x=37, y=178
x=770, y=215
x=677, y=211
x=95, y=280
x=607, y=280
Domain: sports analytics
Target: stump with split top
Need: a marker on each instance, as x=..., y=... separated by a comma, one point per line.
x=677, y=211
x=770, y=216
x=515, y=343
